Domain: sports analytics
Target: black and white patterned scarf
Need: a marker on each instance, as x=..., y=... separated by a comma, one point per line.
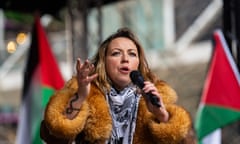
x=123, y=108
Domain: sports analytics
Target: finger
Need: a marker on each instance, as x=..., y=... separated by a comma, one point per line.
x=87, y=79
x=86, y=68
x=86, y=64
x=82, y=69
x=149, y=88
x=81, y=66
x=91, y=67
x=78, y=65
x=147, y=82
x=92, y=77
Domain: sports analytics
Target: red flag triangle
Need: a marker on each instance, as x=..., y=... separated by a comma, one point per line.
x=50, y=72
x=222, y=87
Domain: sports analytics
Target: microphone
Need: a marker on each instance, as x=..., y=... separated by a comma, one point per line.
x=138, y=80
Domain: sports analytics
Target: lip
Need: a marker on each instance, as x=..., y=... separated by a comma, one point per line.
x=124, y=70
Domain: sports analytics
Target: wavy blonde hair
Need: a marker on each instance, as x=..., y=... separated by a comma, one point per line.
x=103, y=81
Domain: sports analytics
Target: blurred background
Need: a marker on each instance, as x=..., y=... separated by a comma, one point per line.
x=176, y=35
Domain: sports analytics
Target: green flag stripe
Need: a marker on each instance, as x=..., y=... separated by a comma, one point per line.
x=46, y=94
x=210, y=118
x=36, y=136
x=42, y=99
x=36, y=108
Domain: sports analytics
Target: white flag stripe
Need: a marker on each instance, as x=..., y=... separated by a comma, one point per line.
x=23, y=136
x=213, y=138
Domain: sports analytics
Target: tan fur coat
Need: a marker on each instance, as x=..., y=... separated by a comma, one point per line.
x=93, y=124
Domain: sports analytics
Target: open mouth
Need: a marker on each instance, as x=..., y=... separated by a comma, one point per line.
x=124, y=69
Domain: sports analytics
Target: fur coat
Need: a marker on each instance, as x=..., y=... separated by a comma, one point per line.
x=93, y=124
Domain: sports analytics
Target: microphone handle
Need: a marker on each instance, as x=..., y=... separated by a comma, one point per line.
x=153, y=99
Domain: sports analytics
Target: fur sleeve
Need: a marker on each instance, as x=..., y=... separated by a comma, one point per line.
x=56, y=121
x=175, y=130
x=180, y=122
x=168, y=94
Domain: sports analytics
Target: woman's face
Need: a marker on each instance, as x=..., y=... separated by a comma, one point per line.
x=122, y=57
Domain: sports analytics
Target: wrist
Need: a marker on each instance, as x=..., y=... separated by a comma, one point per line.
x=74, y=105
x=162, y=115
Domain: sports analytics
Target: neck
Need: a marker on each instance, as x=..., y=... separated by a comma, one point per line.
x=119, y=89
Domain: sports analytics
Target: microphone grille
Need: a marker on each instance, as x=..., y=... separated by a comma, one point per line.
x=137, y=78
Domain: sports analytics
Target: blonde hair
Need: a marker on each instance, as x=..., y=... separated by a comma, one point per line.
x=98, y=60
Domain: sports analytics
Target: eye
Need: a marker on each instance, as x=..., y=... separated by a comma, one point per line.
x=133, y=54
x=115, y=53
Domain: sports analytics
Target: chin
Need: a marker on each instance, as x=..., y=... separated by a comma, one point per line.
x=122, y=84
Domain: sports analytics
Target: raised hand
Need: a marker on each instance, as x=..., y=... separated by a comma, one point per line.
x=84, y=78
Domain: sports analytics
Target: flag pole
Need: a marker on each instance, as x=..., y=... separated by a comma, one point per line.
x=237, y=23
x=231, y=28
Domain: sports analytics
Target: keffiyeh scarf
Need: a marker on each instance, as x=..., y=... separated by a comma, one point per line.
x=123, y=108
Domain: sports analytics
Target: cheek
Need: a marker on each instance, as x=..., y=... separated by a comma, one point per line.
x=110, y=65
x=135, y=64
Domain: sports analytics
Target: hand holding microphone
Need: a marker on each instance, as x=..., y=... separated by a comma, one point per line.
x=138, y=80
x=158, y=110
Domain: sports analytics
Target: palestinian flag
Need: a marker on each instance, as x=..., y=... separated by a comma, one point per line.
x=41, y=77
x=220, y=102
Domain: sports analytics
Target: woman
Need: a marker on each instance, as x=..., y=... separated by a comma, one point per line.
x=100, y=105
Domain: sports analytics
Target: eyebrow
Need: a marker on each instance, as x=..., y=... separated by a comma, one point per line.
x=131, y=49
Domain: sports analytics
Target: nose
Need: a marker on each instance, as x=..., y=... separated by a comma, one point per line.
x=125, y=58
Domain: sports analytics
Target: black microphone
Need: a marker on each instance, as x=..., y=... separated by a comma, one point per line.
x=138, y=80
